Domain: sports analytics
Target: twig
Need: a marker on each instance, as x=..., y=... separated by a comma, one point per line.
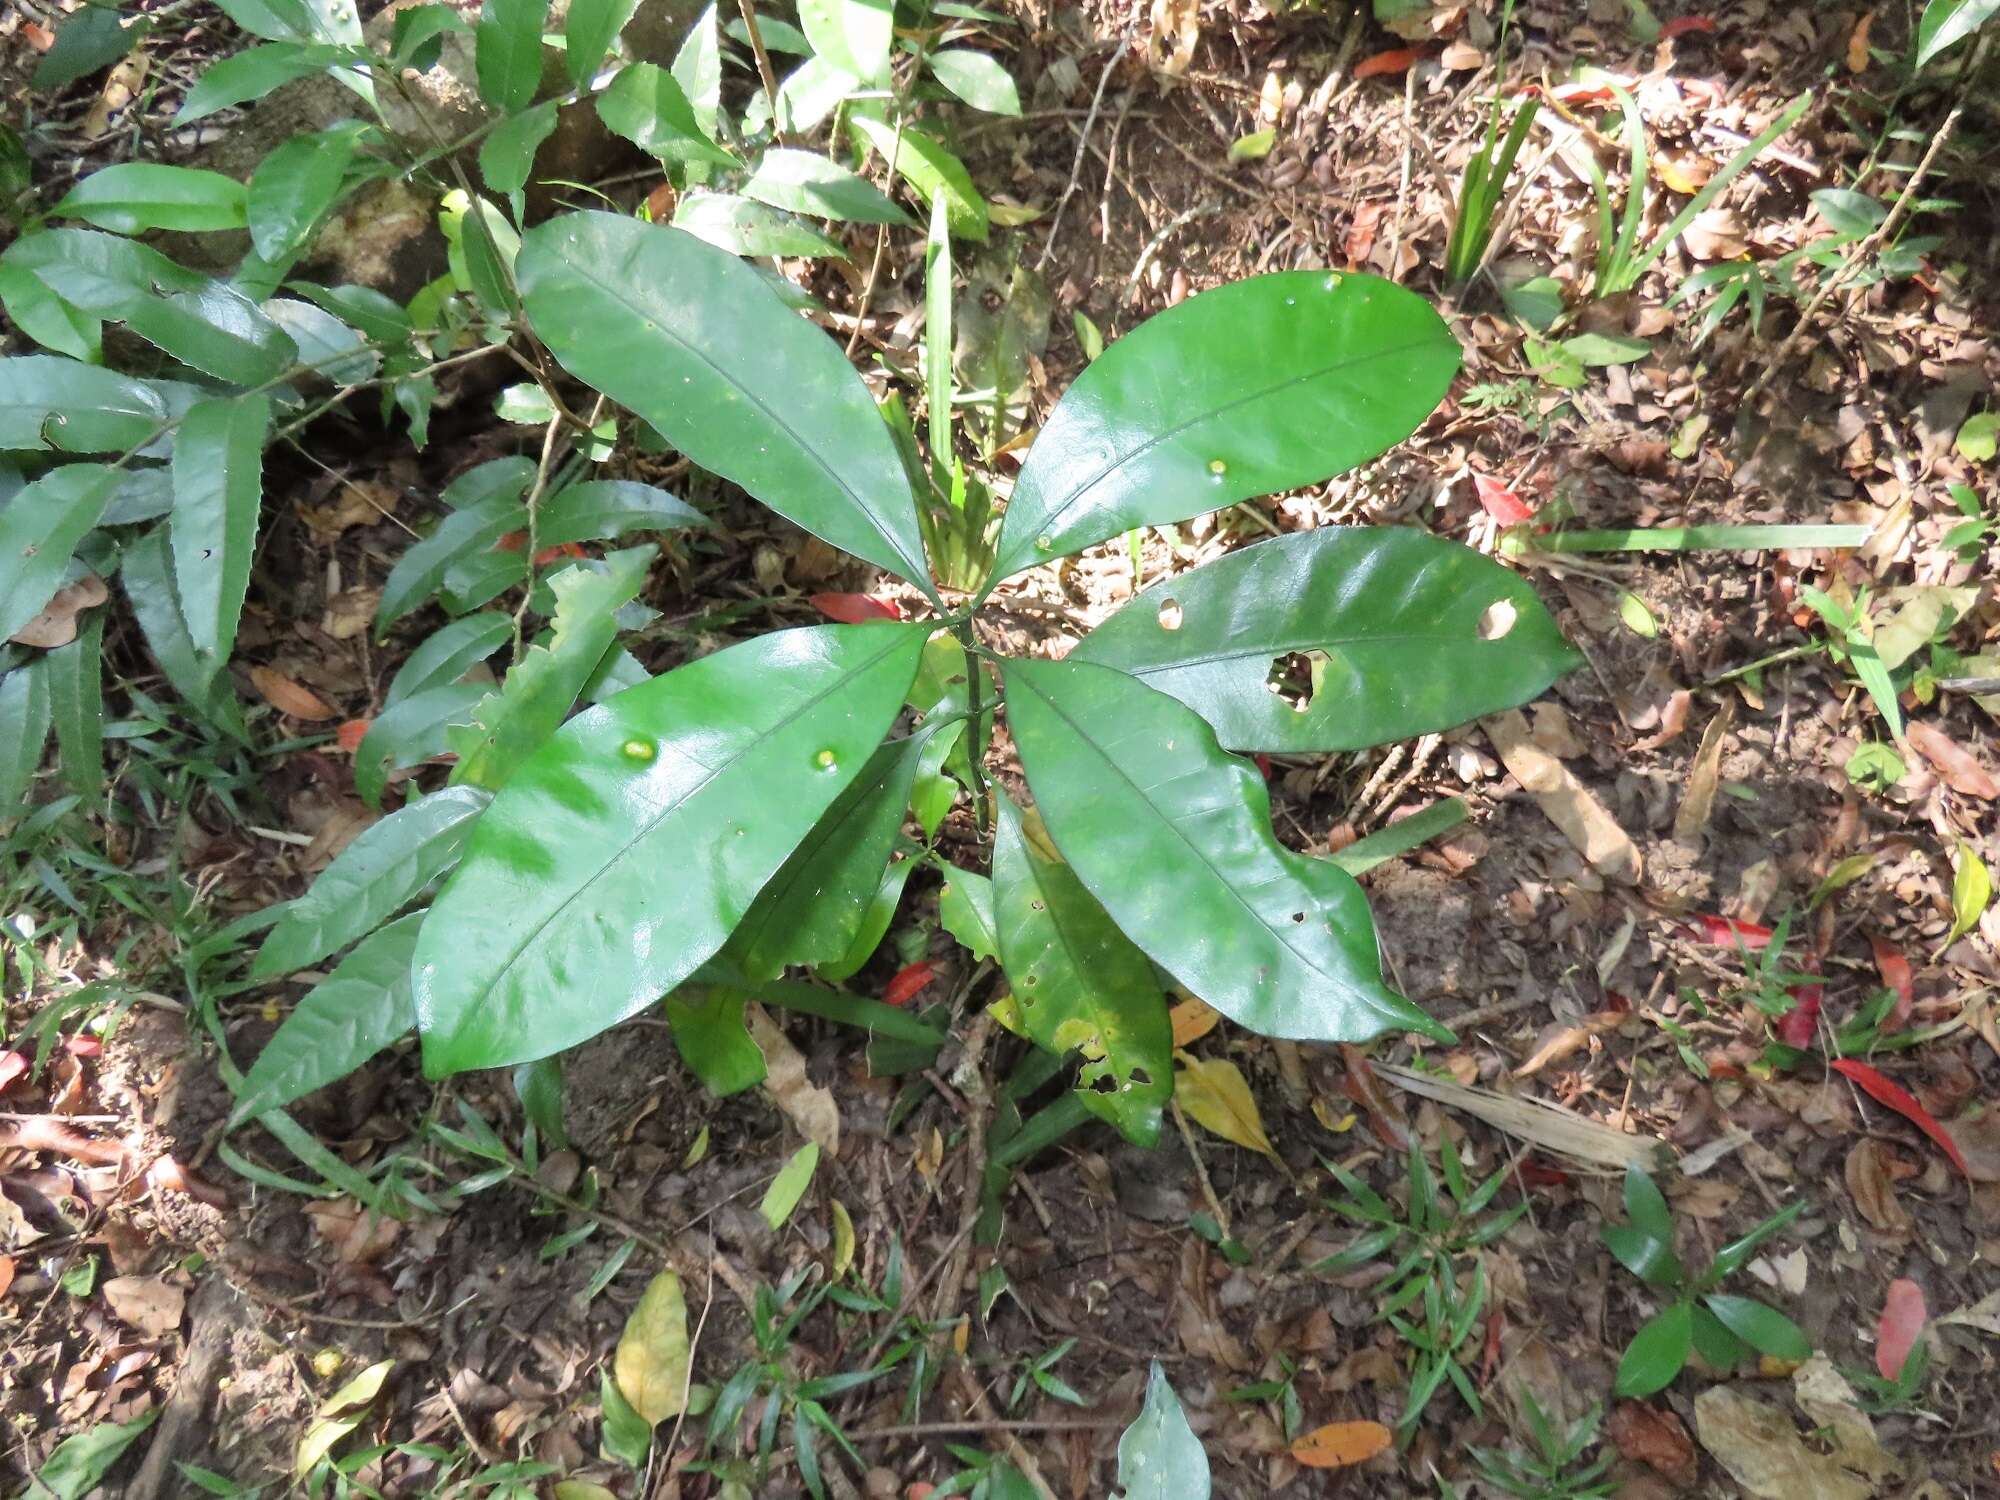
x=1403, y=175
x=939, y=1429
x=1023, y=1459
x=210, y=1326
x=1167, y=231
x=1200, y=1169
x=1082, y=147
x=764, y=69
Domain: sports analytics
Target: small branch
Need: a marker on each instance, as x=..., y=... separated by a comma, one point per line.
x=941, y=1429
x=1082, y=148
x=764, y=70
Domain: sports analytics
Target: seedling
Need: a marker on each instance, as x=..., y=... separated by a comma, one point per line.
x=1555, y=1469
x=1481, y=192
x=1722, y=1328
x=1879, y=1397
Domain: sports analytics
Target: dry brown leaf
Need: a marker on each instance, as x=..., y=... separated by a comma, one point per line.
x=1659, y=1439
x=121, y=87
x=1673, y=719
x=148, y=1303
x=1461, y=57
x=350, y=612
x=1959, y=767
x=1566, y=1040
x=1704, y=777
x=1857, y=43
x=56, y=625
x=1872, y=1188
x=1763, y=1452
x=1176, y=33
x=1686, y=172
x=288, y=696
x=1340, y=1445
x=1192, y=1019
x=1978, y=1140
x=1547, y=1125
x=804, y=1103
x=357, y=1236
x=1716, y=234
x=1823, y=1394
x=1564, y=799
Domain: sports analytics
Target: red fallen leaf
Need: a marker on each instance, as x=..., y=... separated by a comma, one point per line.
x=1580, y=93
x=1654, y=1437
x=1798, y=1026
x=1884, y=1091
x=514, y=541
x=854, y=609
x=1726, y=932
x=1617, y=1004
x=6, y=1274
x=908, y=983
x=1263, y=764
x=1496, y=1327
x=1895, y=972
x=1501, y=503
x=1682, y=25
x=39, y=37
x=1385, y=1113
x=1903, y=1319
x=350, y=735
x=1531, y=1174
x=83, y=1046
x=1383, y=64
x=12, y=1066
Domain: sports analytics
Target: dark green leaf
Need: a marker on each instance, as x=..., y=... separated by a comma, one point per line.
x=418, y=38
x=1733, y=1256
x=1645, y=1257
x=486, y=505
x=1079, y=984
x=1265, y=384
x=708, y=1030
x=143, y=494
x=507, y=156
x=25, y=713
x=1657, y=1353
x=816, y=905
x=807, y=183
x=589, y=29
x=1722, y=1350
x=646, y=106
x=254, y=72
x=1847, y=211
x=218, y=493
x=627, y=1436
x=1174, y=837
x=1646, y=1207
x=296, y=184
x=539, y=1087
x=371, y=879
x=600, y=508
x=933, y=171
x=76, y=699
x=39, y=314
x=1763, y=1328
x=336, y=352
x=978, y=79
x=965, y=910
x=693, y=341
x=147, y=575
x=741, y=227
x=715, y=771
x=39, y=530
x=135, y=196
x=375, y=315
x=508, y=52
x=345, y=1019
x=449, y=654
x=874, y=924
x=1368, y=1247
x=47, y=402
x=91, y=38
x=411, y=731
x=1395, y=624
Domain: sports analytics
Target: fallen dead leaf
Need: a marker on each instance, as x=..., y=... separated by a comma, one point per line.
x=1960, y=768
x=1461, y=57
x=1685, y=172
x=1566, y=802
x=150, y=1304
x=1192, y=1019
x=357, y=1236
x=1823, y=1394
x=1176, y=33
x=1901, y=1325
x=1646, y=1434
x=1216, y=1097
x=807, y=1105
x=1978, y=1140
x=1857, y=43
x=1762, y=1451
x=56, y=625
x=1704, y=778
x=288, y=696
x=1716, y=234
x=651, y=1362
x=1983, y=1315
x=350, y=612
x=1340, y=1445
x=1872, y=1188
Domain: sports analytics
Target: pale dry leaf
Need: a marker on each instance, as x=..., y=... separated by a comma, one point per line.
x=151, y=1304
x=1546, y=1125
x=652, y=1359
x=1461, y=57
x=1216, y=1097
x=357, y=1236
x=56, y=625
x=289, y=696
x=1824, y=1395
x=1704, y=778
x=1176, y=33
x=1960, y=768
x=1716, y=234
x=349, y=613
x=1872, y=1188
x=1983, y=1315
x=808, y=1106
x=1762, y=1451
x=1566, y=802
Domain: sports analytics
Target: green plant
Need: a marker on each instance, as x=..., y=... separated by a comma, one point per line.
x=1722, y=1328
x=1879, y=1396
x=1486, y=173
x=1442, y=1225
x=1554, y=1470
x=1946, y=23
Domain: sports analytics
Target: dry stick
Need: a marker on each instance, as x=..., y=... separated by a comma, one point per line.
x=1403, y=177
x=1023, y=1459
x=764, y=70
x=881, y=236
x=1082, y=145
x=1861, y=251
x=1167, y=231
x=210, y=1326
x=940, y=1429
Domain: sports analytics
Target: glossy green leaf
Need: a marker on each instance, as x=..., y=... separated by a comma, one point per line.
x=486, y=504
x=1646, y=1257
x=218, y=494
x=90, y=37
x=345, y=1019
x=507, y=52
x=627, y=1436
x=375, y=876
x=714, y=1042
x=646, y=106
x=965, y=910
x=514, y=720
x=507, y=156
x=936, y=789
x=1079, y=984
x=417, y=37
x=376, y=316
x=589, y=29
x=714, y=771
x=39, y=530
x=295, y=185
x=1159, y=1457
x=698, y=70
x=978, y=79
x=449, y=654
x=46, y=402
x=336, y=352
x=852, y=35
x=790, y=1185
x=25, y=715
x=254, y=72
x=274, y=20
x=1265, y=384
x=76, y=700
x=694, y=342
x=1646, y=1207
x=1721, y=1349
x=146, y=573
x=1174, y=837
x=734, y=223
x=410, y=732
x=539, y=1087
x=598, y=509
x=144, y=493
x=1762, y=1327
x=807, y=183
x=1946, y=23
x=875, y=923
x=933, y=171
x=816, y=905
x=1406, y=634
x=812, y=91
x=1657, y=1353
x=39, y=314
x=135, y=196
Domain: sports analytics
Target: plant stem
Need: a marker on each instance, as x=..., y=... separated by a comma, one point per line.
x=975, y=750
x=1041, y=1130
x=764, y=70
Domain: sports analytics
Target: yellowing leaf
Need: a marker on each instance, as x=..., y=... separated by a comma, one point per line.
x=320, y=1439
x=1638, y=619
x=1192, y=1020
x=582, y=1489
x=1971, y=890
x=651, y=1365
x=790, y=1185
x=698, y=1150
x=843, y=1240
x=1338, y=1445
x=1216, y=1098
x=359, y=1391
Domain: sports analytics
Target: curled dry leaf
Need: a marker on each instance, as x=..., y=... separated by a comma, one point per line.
x=1192, y=1019
x=1960, y=768
x=1340, y=1445
x=56, y=624
x=1824, y=1395
x=1857, y=43
x=801, y=1101
x=1385, y=64
x=1872, y=1188
x=1704, y=778
x=1567, y=803
x=1176, y=33
x=1657, y=1438
x=288, y=696
x=357, y=1236
x=150, y=1304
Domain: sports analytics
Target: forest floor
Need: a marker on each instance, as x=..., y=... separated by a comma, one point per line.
x=1573, y=931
